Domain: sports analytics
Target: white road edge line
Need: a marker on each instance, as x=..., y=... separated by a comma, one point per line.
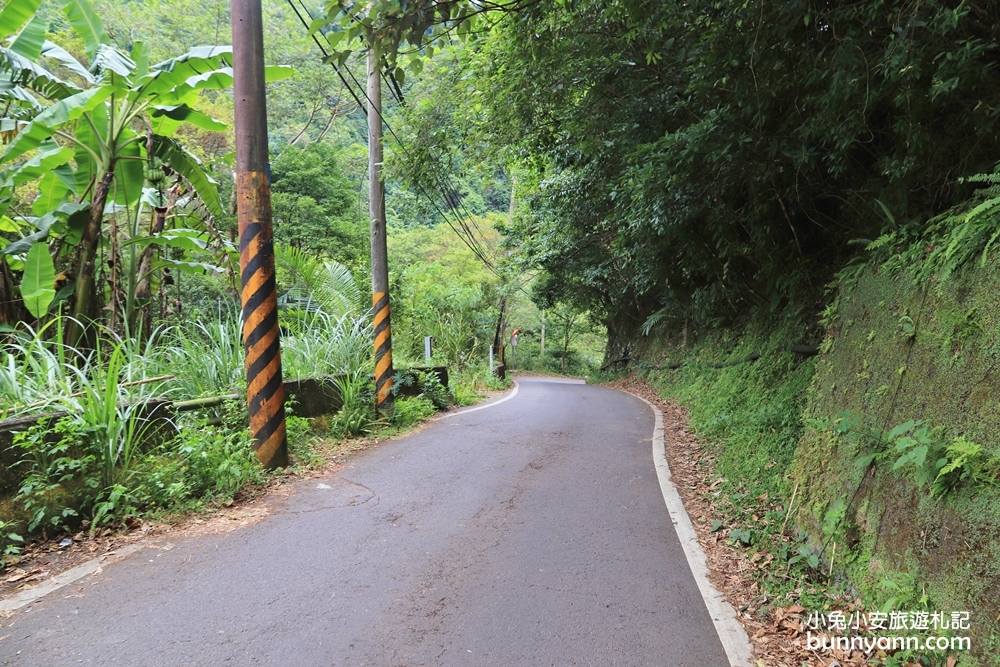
x=482, y=407
x=53, y=584
x=731, y=633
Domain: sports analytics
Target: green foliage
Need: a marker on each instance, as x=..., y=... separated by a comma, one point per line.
x=935, y=419
x=432, y=389
x=302, y=442
x=39, y=278
x=206, y=357
x=749, y=156
x=963, y=463
x=465, y=394
x=83, y=142
x=218, y=462
x=321, y=345
x=938, y=467
x=834, y=518
x=86, y=460
x=494, y=383
x=752, y=412
x=902, y=591
x=10, y=540
x=949, y=242
x=44, y=493
x=311, y=285
x=741, y=536
x=357, y=413
x=914, y=443
x=443, y=291
x=412, y=410
x=806, y=555
x=314, y=204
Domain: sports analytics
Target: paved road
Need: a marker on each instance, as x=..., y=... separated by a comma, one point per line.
x=528, y=533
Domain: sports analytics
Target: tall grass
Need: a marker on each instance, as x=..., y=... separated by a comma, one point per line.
x=318, y=344
x=206, y=358
x=85, y=460
x=38, y=371
x=93, y=461
x=34, y=369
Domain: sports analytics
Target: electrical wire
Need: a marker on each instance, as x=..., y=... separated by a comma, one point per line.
x=326, y=56
x=448, y=192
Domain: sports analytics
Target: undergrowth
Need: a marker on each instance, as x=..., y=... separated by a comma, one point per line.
x=773, y=434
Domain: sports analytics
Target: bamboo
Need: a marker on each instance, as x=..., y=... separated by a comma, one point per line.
x=207, y=402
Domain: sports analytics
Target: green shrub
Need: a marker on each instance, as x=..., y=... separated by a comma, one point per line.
x=465, y=394
x=217, y=461
x=432, y=389
x=357, y=413
x=412, y=410
x=302, y=440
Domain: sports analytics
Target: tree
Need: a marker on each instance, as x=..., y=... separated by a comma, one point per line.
x=315, y=204
x=96, y=135
x=709, y=159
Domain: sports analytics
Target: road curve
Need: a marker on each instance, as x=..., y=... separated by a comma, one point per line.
x=530, y=533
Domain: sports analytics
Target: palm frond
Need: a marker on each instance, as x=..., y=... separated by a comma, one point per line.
x=313, y=285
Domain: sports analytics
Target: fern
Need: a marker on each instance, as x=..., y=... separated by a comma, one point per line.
x=968, y=231
x=963, y=463
x=313, y=285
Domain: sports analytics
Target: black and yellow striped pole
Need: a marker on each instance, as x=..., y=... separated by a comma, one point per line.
x=265, y=390
x=380, y=259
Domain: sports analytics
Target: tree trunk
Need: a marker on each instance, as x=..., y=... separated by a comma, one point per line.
x=12, y=309
x=142, y=289
x=542, y=346
x=565, y=350
x=83, y=302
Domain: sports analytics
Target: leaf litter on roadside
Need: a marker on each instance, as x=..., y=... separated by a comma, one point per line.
x=777, y=628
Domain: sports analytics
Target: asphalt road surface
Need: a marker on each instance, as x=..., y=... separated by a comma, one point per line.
x=532, y=533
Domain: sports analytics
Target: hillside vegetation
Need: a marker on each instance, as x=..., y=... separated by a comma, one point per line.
x=692, y=182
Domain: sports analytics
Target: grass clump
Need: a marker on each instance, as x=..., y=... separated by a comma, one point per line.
x=75, y=479
x=750, y=414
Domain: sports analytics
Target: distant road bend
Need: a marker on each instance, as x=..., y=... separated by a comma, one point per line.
x=532, y=532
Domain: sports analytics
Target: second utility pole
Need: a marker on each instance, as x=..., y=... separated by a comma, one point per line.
x=380, y=260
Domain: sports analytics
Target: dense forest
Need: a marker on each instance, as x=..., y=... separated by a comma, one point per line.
x=616, y=180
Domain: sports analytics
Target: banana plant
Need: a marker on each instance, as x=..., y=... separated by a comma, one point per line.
x=95, y=130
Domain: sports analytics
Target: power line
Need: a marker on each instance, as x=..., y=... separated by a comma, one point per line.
x=468, y=237
x=448, y=191
x=326, y=56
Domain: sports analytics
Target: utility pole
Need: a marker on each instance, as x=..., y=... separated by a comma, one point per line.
x=380, y=260
x=542, y=351
x=265, y=390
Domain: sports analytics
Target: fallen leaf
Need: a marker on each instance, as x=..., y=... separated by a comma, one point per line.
x=24, y=575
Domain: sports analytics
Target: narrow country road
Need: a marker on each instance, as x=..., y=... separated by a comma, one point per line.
x=531, y=532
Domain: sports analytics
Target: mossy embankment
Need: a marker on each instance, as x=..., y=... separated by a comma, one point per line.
x=920, y=535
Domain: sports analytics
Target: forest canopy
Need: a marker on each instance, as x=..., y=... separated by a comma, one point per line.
x=700, y=160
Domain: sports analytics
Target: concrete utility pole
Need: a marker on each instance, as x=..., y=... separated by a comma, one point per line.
x=380, y=262
x=265, y=390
